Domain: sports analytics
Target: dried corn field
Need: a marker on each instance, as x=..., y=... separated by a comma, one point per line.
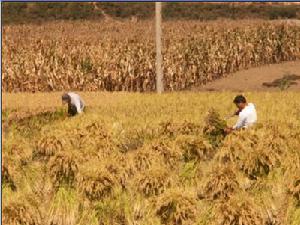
x=120, y=55
x=142, y=159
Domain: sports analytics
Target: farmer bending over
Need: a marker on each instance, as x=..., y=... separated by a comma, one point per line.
x=246, y=112
x=75, y=104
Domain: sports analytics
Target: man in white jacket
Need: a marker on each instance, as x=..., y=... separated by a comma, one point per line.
x=75, y=103
x=246, y=112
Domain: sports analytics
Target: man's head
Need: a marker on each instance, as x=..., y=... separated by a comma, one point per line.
x=66, y=99
x=240, y=102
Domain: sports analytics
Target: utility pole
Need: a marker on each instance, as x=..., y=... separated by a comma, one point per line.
x=159, y=72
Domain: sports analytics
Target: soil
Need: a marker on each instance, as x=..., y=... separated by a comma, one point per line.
x=253, y=79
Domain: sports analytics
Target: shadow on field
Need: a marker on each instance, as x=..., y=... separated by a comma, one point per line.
x=283, y=83
x=29, y=124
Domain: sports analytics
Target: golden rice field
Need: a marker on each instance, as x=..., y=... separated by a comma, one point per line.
x=120, y=55
x=142, y=159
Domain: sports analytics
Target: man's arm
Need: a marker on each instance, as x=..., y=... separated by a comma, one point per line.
x=81, y=104
x=240, y=123
x=79, y=110
x=228, y=130
x=236, y=113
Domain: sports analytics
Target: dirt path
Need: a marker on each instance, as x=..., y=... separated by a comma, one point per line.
x=252, y=79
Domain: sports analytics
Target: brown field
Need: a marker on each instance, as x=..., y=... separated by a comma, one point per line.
x=254, y=78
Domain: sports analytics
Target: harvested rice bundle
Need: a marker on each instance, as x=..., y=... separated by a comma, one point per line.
x=95, y=181
x=152, y=182
x=214, y=127
x=144, y=159
x=172, y=129
x=250, y=152
x=294, y=187
x=63, y=169
x=46, y=147
x=19, y=152
x=195, y=148
x=20, y=213
x=128, y=140
x=221, y=184
x=257, y=163
x=116, y=165
x=7, y=180
x=97, y=130
x=176, y=207
x=293, y=182
x=238, y=211
x=169, y=151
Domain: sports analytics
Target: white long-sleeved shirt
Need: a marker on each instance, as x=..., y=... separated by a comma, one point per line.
x=247, y=117
x=76, y=101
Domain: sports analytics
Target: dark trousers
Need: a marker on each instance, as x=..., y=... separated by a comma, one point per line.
x=72, y=111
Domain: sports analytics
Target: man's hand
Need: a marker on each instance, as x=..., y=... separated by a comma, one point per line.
x=228, y=130
x=236, y=113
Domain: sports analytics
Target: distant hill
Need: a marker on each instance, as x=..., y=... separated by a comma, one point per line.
x=24, y=12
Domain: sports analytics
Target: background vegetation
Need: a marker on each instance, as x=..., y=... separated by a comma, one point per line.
x=94, y=56
x=22, y=12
